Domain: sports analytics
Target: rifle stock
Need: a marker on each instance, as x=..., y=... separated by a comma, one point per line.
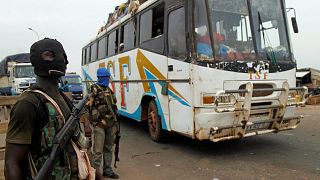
x=61, y=139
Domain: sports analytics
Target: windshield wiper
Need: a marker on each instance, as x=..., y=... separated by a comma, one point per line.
x=263, y=29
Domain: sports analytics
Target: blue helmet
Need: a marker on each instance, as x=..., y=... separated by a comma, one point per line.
x=103, y=72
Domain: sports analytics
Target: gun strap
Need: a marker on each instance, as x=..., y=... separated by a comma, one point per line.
x=31, y=163
x=53, y=102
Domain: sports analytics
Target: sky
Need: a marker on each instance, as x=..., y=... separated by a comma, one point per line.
x=74, y=23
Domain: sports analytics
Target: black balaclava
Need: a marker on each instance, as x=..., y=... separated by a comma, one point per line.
x=48, y=58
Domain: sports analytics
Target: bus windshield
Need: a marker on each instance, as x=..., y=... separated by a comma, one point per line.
x=270, y=30
x=24, y=72
x=227, y=25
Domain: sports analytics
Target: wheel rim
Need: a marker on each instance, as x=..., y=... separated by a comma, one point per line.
x=152, y=120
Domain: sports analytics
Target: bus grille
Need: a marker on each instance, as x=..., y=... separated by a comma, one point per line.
x=258, y=86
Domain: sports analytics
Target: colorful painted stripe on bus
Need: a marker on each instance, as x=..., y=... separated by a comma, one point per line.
x=87, y=79
x=144, y=66
x=147, y=71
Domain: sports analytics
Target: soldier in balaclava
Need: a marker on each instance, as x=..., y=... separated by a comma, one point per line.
x=37, y=116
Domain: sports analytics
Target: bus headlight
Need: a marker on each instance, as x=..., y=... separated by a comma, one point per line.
x=225, y=99
x=208, y=99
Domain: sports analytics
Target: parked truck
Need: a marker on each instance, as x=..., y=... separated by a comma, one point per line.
x=16, y=74
x=72, y=83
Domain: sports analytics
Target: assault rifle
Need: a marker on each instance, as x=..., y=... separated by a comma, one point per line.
x=117, y=143
x=61, y=139
x=117, y=138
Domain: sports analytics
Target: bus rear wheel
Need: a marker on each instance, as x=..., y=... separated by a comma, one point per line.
x=154, y=122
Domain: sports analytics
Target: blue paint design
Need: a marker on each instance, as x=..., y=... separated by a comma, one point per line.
x=153, y=90
x=183, y=102
x=172, y=94
x=136, y=115
x=86, y=77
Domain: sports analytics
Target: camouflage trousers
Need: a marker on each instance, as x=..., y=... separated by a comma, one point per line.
x=103, y=141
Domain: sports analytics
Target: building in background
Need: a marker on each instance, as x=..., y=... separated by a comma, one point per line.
x=309, y=77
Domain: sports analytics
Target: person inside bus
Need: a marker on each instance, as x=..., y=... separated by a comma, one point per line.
x=204, y=49
x=121, y=47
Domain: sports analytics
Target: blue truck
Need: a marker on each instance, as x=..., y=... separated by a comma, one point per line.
x=72, y=83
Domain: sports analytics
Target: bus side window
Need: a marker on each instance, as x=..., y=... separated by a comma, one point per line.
x=121, y=36
x=102, y=51
x=145, y=26
x=93, y=53
x=83, y=56
x=112, y=43
x=129, y=35
x=151, y=29
x=87, y=55
x=151, y=23
x=176, y=34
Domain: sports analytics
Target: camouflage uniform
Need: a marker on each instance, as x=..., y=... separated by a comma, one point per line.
x=104, y=127
x=44, y=129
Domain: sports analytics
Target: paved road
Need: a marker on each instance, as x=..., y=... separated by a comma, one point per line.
x=288, y=155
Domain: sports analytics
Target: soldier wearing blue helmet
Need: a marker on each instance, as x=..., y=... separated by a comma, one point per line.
x=101, y=107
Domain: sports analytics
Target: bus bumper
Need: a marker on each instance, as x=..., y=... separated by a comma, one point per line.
x=248, y=116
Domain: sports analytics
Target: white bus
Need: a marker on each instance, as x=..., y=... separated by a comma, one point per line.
x=207, y=69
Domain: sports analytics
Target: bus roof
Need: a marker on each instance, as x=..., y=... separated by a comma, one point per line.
x=121, y=20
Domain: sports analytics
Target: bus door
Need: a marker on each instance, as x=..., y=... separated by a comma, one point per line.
x=180, y=109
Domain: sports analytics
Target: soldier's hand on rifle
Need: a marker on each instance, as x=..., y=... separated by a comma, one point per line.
x=87, y=131
x=85, y=119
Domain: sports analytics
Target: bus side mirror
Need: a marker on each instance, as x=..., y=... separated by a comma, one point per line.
x=293, y=20
x=294, y=25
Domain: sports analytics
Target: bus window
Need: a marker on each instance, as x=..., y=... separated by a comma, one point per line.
x=145, y=26
x=87, y=55
x=113, y=43
x=102, y=50
x=117, y=41
x=121, y=45
x=151, y=23
x=176, y=34
x=203, y=41
x=83, y=56
x=93, y=54
x=158, y=20
x=129, y=35
x=231, y=30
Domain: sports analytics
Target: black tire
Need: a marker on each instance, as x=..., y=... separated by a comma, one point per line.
x=154, y=122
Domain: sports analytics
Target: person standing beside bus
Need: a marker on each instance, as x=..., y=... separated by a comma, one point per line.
x=102, y=109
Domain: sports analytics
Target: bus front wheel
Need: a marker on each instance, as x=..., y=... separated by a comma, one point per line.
x=154, y=122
